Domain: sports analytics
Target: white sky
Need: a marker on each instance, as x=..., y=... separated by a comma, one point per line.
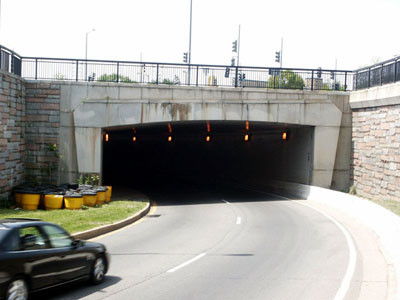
x=315, y=32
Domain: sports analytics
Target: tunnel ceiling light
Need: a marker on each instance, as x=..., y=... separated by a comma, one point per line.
x=170, y=138
x=107, y=137
x=169, y=128
x=134, y=139
x=284, y=135
x=208, y=138
x=246, y=137
x=208, y=127
x=247, y=126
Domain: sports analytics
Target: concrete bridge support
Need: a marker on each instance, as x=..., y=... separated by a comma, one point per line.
x=88, y=108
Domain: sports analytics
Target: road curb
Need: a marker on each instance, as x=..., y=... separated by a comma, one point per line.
x=383, y=222
x=95, y=232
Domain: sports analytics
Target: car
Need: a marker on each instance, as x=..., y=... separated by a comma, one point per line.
x=37, y=255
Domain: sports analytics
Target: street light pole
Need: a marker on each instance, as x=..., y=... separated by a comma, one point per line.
x=190, y=43
x=86, y=51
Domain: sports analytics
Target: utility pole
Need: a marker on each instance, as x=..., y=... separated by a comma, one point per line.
x=238, y=47
x=190, y=43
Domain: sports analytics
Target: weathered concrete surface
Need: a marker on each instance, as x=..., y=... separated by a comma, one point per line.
x=87, y=108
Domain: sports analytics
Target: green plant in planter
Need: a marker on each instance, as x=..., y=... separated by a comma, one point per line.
x=52, y=164
x=91, y=179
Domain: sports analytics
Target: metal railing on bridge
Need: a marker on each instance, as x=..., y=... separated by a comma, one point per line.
x=379, y=74
x=39, y=68
x=184, y=74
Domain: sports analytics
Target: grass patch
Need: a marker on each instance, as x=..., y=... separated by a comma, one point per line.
x=393, y=206
x=79, y=220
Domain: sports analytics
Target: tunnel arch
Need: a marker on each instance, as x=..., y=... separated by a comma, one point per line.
x=162, y=152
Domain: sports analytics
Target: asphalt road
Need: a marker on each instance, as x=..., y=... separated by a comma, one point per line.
x=236, y=246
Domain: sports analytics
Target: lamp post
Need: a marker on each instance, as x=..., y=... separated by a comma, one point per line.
x=86, y=48
x=190, y=43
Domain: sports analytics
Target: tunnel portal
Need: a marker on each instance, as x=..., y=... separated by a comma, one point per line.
x=206, y=153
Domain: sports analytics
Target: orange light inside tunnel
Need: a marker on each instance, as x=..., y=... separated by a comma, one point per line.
x=169, y=138
x=208, y=138
x=106, y=137
x=208, y=126
x=246, y=137
x=247, y=125
x=284, y=135
x=134, y=139
x=169, y=128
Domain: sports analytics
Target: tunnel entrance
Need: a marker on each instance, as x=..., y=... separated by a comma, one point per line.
x=206, y=153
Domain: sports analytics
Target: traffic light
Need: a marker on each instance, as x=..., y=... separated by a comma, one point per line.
x=332, y=75
x=278, y=56
x=144, y=68
x=244, y=77
x=240, y=76
x=234, y=46
x=185, y=57
x=227, y=71
x=319, y=73
x=233, y=62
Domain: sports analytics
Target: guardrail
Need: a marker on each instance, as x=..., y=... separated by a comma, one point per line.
x=10, y=61
x=184, y=74
x=379, y=74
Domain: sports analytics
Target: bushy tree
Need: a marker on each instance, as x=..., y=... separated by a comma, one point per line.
x=113, y=78
x=287, y=80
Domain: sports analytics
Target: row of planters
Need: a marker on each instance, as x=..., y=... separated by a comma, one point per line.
x=70, y=196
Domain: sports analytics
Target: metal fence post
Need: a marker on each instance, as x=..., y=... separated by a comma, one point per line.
x=345, y=81
x=382, y=74
x=395, y=71
x=158, y=71
x=36, y=68
x=312, y=80
x=236, y=76
x=117, y=72
x=197, y=75
x=369, y=78
x=77, y=71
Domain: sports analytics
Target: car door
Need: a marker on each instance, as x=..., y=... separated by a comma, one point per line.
x=36, y=257
x=74, y=261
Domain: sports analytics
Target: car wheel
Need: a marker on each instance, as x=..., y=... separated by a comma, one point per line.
x=17, y=290
x=98, y=270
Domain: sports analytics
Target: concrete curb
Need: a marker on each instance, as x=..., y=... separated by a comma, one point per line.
x=95, y=232
x=383, y=222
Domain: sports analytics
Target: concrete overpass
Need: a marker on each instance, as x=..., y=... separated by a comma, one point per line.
x=318, y=152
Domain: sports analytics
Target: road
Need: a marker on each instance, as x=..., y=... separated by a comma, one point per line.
x=236, y=246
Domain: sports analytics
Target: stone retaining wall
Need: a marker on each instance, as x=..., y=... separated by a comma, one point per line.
x=12, y=133
x=42, y=127
x=376, y=152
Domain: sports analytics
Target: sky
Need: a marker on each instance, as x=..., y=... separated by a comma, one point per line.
x=316, y=33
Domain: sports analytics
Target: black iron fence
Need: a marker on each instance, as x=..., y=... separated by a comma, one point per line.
x=10, y=61
x=378, y=74
x=184, y=74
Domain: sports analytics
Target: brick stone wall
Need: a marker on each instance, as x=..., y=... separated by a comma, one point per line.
x=12, y=134
x=376, y=152
x=42, y=127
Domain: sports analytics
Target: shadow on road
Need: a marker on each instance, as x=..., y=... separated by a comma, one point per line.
x=75, y=290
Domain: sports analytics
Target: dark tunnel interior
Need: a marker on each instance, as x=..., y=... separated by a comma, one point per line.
x=206, y=153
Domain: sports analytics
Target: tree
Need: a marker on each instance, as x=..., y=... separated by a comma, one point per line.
x=287, y=80
x=113, y=78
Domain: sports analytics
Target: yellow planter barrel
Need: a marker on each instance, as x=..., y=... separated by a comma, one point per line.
x=18, y=198
x=52, y=202
x=101, y=195
x=108, y=193
x=89, y=198
x=30, y=201
x=74, y=201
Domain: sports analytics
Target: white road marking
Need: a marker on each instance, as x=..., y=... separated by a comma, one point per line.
x=186, y=263
x=345, y=285
x=238, y=221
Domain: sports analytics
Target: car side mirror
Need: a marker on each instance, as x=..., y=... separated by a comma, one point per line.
x=76, y=244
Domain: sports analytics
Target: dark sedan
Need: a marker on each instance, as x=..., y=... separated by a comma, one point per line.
x=36, y=255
